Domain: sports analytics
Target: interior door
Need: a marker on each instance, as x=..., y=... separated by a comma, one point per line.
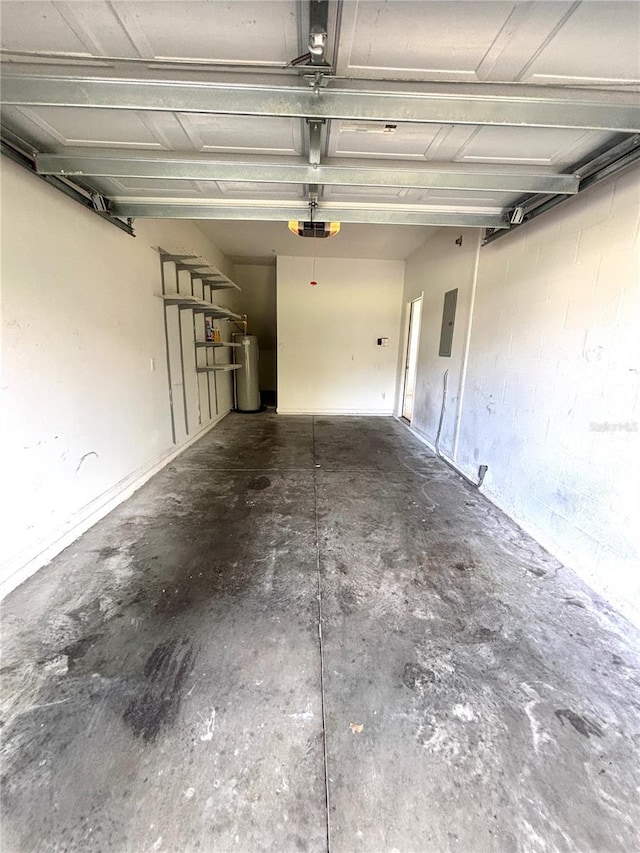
x=411, y=359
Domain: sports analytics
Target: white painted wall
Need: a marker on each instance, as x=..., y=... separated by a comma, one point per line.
x=85, y=413
x=258, y=301
x=328, y=360
x=438, y=266
x=551, y=392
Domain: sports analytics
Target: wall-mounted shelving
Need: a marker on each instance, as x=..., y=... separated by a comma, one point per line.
x=199, y=393
x=199, y=267
x=203, y=306
x=224, y=367
x=216, y=344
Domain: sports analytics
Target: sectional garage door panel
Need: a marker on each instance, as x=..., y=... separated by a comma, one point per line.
x=479, y=103
x=481, y=40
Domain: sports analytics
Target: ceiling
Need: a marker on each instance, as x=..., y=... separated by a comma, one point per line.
x=265, y=240
x=417, y=113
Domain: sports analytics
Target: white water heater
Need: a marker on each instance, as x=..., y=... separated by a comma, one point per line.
x=247, y=381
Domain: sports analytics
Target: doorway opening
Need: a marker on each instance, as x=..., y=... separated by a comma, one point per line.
x=411, y=358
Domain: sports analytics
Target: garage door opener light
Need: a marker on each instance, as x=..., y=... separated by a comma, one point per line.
x=314, y=229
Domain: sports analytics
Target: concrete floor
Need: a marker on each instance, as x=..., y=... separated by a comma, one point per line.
x=163, y=677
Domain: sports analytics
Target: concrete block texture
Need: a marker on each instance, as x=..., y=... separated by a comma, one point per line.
x=550, y=383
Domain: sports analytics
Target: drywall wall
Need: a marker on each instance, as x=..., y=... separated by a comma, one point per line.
x=445, y=262
x=258, y=301
x=550, y=392
x=328, y=360
x=85, y=404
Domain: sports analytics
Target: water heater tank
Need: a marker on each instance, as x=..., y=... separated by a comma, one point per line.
x=247, y=384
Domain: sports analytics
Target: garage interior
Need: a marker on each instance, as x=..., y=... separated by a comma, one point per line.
x=398, y=607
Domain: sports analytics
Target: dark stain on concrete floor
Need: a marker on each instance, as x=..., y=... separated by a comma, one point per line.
x=165, y=672
x=162, y=684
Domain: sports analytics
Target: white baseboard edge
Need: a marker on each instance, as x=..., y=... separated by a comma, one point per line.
x=21, y=566
x=591, y=579
x=354, y=413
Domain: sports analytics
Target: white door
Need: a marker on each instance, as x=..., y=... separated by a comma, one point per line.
x=411, y=359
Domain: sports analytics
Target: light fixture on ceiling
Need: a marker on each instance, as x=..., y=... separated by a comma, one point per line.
x=314, y=229
x=311, y=228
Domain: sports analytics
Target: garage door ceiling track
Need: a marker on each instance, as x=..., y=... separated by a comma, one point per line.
x=457, y=113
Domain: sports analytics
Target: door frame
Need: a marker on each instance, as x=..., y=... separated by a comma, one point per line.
x=405, y=360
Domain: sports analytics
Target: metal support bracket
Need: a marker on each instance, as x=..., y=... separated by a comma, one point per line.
x=93, y=202
x=315, y=135
x=99, y=203
x=606, y=164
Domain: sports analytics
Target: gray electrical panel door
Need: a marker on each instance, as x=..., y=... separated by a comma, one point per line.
x=448, y=320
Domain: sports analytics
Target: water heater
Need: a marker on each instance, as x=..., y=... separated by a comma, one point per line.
x=247, y=383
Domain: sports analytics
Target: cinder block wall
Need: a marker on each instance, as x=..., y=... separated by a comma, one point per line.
x=548, y=394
